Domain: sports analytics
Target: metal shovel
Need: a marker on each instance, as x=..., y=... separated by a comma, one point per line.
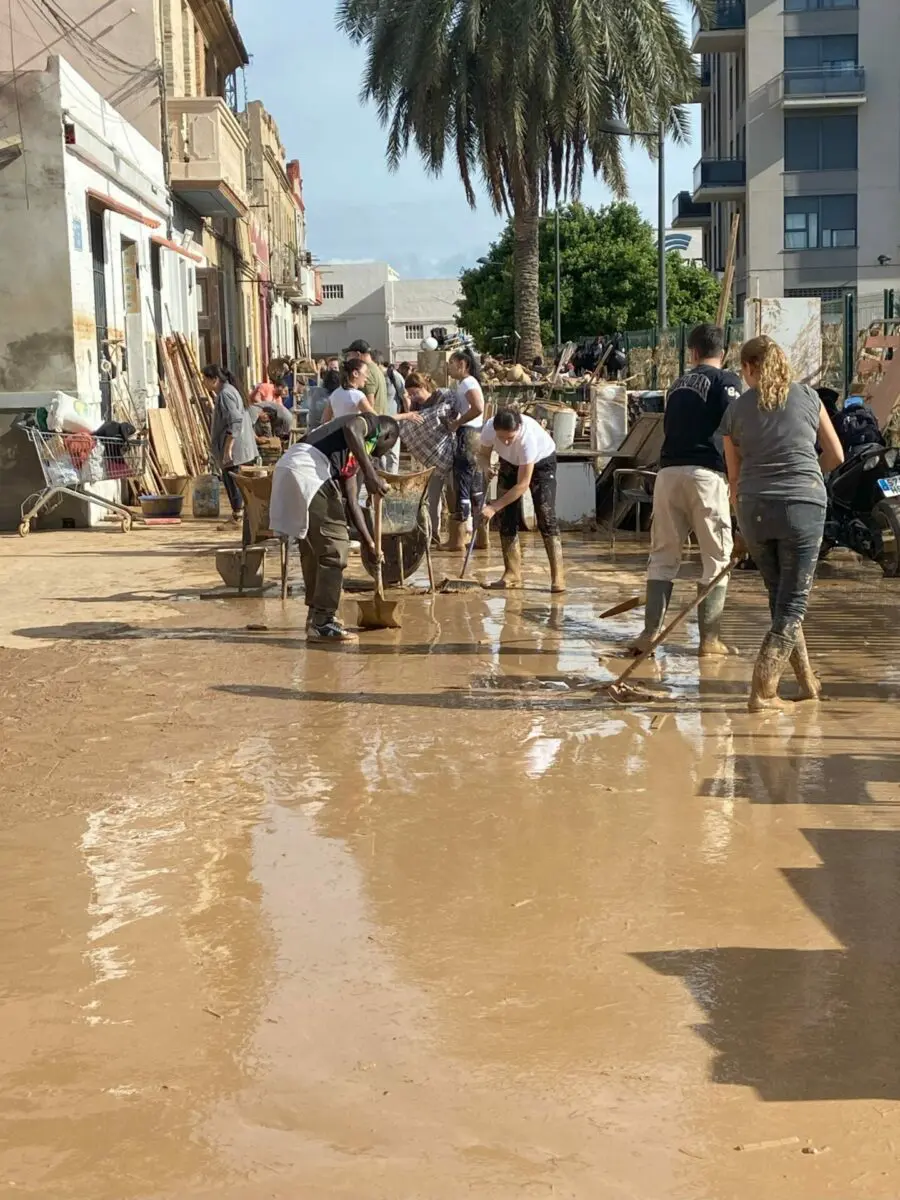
x=378, y=613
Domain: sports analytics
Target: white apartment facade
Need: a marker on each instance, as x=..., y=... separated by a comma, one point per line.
x=370, y=301
x=800, y=103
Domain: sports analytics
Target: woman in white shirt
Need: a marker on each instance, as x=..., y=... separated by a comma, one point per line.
x=468, y=485
x=349, y=398
x=527, y=455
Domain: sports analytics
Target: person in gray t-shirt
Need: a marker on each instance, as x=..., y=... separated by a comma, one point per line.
x=770, y=435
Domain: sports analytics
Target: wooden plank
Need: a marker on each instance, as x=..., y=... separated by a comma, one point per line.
x=165, y=442
x=728, y=277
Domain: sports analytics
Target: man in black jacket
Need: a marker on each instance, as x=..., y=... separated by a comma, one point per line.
x=691, y=492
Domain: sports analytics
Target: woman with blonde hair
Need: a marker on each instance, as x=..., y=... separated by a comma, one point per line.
x=771, y=434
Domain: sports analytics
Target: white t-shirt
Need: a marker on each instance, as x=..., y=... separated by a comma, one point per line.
x=345, y=401
x=531, y=443
x=470, y=383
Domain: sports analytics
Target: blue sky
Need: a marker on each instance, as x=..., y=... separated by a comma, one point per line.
x=308, y=75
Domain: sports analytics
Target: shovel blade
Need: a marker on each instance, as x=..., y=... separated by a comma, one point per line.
x=379, y=614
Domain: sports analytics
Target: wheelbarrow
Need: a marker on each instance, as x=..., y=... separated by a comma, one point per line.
x=405, y=529
x=255, y=485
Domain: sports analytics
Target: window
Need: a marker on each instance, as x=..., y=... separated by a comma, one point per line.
x=332, y=291
x=815, y=5
x=820, y=143
x=812, y=53
x=415, y=333
x=824, y=294
x=819, y=222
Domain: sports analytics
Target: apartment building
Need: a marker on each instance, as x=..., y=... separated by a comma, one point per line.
x=369, y=300
x=800, y=102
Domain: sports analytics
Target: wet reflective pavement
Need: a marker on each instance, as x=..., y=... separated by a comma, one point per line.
x=428, y=916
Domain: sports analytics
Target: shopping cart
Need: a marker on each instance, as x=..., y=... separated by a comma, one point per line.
x=70, y=462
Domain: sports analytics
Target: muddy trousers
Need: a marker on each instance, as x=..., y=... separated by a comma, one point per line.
x=324, y=553
x=468, y=482
x=689, y=500
x=543, y=494
x=783, y=537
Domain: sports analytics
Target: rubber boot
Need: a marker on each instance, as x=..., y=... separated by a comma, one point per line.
x=512, y=566
x=659, y=593
x=810, y=688
x=709, y=620
x=456, y=535
x=482, y=536
x=553, y=546
x=769, y=667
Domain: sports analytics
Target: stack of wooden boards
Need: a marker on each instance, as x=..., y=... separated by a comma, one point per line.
x=179, y=433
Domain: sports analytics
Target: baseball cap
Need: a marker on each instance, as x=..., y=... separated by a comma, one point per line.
x=360, y=346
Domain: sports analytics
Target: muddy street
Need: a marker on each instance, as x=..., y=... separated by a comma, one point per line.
x=424, y=916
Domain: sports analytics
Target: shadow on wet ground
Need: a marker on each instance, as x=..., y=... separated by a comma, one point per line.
x=797, y=1024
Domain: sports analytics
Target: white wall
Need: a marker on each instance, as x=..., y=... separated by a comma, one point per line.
x=420, y=302
x=109, y=156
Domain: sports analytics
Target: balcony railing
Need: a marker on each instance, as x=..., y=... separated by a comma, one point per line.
x=688, y=212
x=838, y=83
x=728, y=16
x=720, y=174
x=208, y=156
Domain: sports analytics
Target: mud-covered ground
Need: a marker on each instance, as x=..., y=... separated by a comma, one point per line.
x=427, y=916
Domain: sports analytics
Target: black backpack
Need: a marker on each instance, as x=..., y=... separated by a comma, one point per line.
x=857, y=427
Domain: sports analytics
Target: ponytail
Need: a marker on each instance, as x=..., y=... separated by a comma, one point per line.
x=469, y=358
x=768, y=359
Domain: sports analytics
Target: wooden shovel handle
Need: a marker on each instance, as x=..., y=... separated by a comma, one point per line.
x=673, y=624
x=379, y=555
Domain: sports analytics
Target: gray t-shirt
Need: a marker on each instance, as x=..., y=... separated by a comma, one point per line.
x=778, y=447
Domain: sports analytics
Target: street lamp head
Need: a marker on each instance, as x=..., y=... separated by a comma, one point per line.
x=616, y=127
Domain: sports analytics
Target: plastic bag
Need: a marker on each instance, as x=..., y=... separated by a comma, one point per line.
x=65, y=414
x=92, y=471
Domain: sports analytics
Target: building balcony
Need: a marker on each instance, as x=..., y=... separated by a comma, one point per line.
x=724, y=31
x=687, y=213
x=836, y=86
x=208, y=156
x=719, y=179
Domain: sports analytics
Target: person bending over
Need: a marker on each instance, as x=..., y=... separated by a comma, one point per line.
x=310, y=483
x=527, y=456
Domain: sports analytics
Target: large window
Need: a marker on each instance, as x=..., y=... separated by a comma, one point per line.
x=819, y=222
x=812, y=53
x=826, y=142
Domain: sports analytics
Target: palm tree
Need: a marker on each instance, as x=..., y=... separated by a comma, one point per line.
x=525, y=94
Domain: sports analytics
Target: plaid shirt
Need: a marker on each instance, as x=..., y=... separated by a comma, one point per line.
x=430, y=442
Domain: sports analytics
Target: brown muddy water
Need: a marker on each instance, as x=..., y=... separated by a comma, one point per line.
x=425, y=917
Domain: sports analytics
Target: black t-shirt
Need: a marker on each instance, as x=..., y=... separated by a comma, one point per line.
x=695, y=406
x=331, y=439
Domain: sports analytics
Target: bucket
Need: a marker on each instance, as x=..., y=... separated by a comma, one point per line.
x=564, y=423
x=206, y=496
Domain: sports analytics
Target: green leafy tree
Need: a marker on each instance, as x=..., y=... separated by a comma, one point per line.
x=521, y=93
x=608, y=275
